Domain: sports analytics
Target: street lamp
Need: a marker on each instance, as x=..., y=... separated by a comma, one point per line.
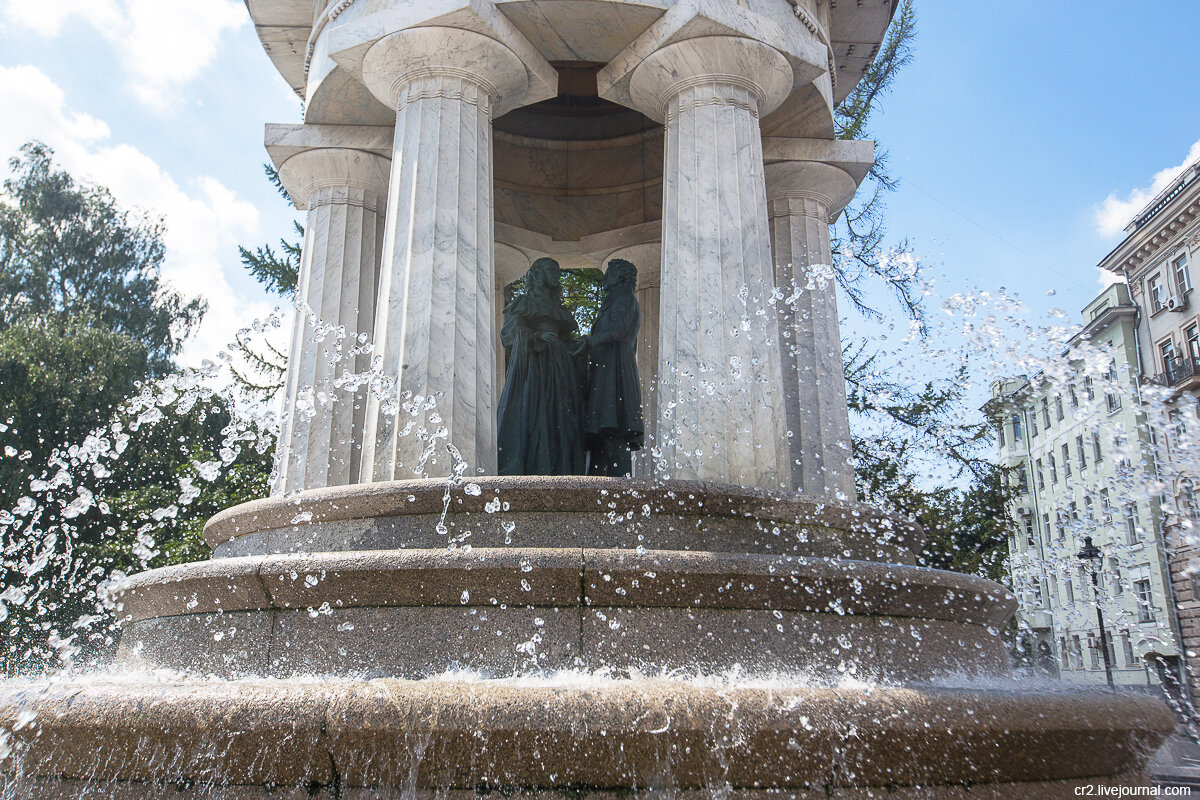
x=1090, y=555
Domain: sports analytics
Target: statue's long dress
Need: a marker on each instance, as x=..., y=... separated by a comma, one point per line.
x=540, y=407
x=614, y=402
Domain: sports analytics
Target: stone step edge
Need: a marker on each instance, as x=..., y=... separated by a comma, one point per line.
x=555, y=493
x=562, y=577
x=447, y=734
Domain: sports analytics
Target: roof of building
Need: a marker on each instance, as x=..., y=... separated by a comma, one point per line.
x=285, y=28
x=1156, y=225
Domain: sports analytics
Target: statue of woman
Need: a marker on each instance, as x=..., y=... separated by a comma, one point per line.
x=612, y=419
x=540, y=406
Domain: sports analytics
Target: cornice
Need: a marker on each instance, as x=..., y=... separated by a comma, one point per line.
x=1175, y=225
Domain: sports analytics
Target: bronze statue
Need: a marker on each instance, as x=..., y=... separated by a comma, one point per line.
x=541, y=405
x=612, y=422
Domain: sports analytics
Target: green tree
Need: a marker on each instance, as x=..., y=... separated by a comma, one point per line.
x=67, y=249
x=91, y=482
x=897, y=423
x=83, y=313
x=279, y=272
x=861, y=231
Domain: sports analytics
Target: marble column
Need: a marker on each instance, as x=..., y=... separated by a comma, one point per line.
x=344, y=192
x=432, y=409
x=646, y=257
x=803, y=198
x=720, y=413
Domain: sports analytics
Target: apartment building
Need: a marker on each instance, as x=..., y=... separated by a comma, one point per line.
x=1078, y=448
x=1157, y=259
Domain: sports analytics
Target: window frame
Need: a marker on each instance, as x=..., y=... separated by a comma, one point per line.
x=1179, y=270
x=1154, y=293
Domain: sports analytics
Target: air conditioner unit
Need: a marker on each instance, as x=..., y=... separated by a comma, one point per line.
x=1177, y=303
x=1022, y=511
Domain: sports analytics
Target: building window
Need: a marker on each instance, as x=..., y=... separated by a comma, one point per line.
x=1178, y=426
x=1105, y=505
x=1074, y=397
x=1145, y=601
x=1166, y=351
x=1133, y=533
x=1033, y=428
x=1114, y=577
x=1089, y=514
x=1127, y=649
x=1069, y=590
x=1154, y=290
x=1096, y=447
x=1111, y=396
x=1058, y=408
x=1062, y=653
x=1192, y=334
x=1079, y=452
x=1016, y=423
x=1077, y=646
x=1053, y=469
x=1182, y=281
x=1073, y=511
x=1000, y=430
x=1196, y=585
x=1060, y=525
x=1046, y=412
x=1041, y=479
x=1087, y=388
x=1066, y=462
x=1023, y=480
x=1120, y=443
x=1187, y=498
x=1046, y=526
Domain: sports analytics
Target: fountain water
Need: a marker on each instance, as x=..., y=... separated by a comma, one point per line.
x=735, y=624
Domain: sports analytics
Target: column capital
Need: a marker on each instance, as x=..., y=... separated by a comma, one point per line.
x=820, y=190
x=309, y=171
x=397, y=60
x=727, y=63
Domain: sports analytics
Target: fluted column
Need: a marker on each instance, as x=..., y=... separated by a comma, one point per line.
x=344, y=192
x=802, y=197
x=719, y=395
x=432, y=411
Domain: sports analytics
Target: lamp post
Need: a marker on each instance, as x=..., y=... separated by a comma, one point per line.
x=1090, y=555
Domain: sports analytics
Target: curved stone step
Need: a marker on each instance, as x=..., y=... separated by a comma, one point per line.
x=429, y=738
x=570, y=511
x=514, y=610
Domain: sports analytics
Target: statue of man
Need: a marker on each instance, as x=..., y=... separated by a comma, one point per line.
x=612, y=418
x=541, y=405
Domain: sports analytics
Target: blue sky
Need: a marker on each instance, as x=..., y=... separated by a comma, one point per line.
x=1021, y=125
x=1014, y=126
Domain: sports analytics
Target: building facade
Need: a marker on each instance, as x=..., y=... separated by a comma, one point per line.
x=1080, y=454
x=1157, y=259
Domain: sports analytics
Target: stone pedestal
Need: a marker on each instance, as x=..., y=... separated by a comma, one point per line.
x=620, y=579
x=804, y=197
x=344, y=192
x=432, y=411
x=719, y=409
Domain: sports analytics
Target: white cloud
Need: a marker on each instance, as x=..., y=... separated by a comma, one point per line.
x=161, y=44
x=203, y=221
x=1115, y=213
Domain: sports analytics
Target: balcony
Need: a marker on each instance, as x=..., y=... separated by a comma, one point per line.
x=1180, y=371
